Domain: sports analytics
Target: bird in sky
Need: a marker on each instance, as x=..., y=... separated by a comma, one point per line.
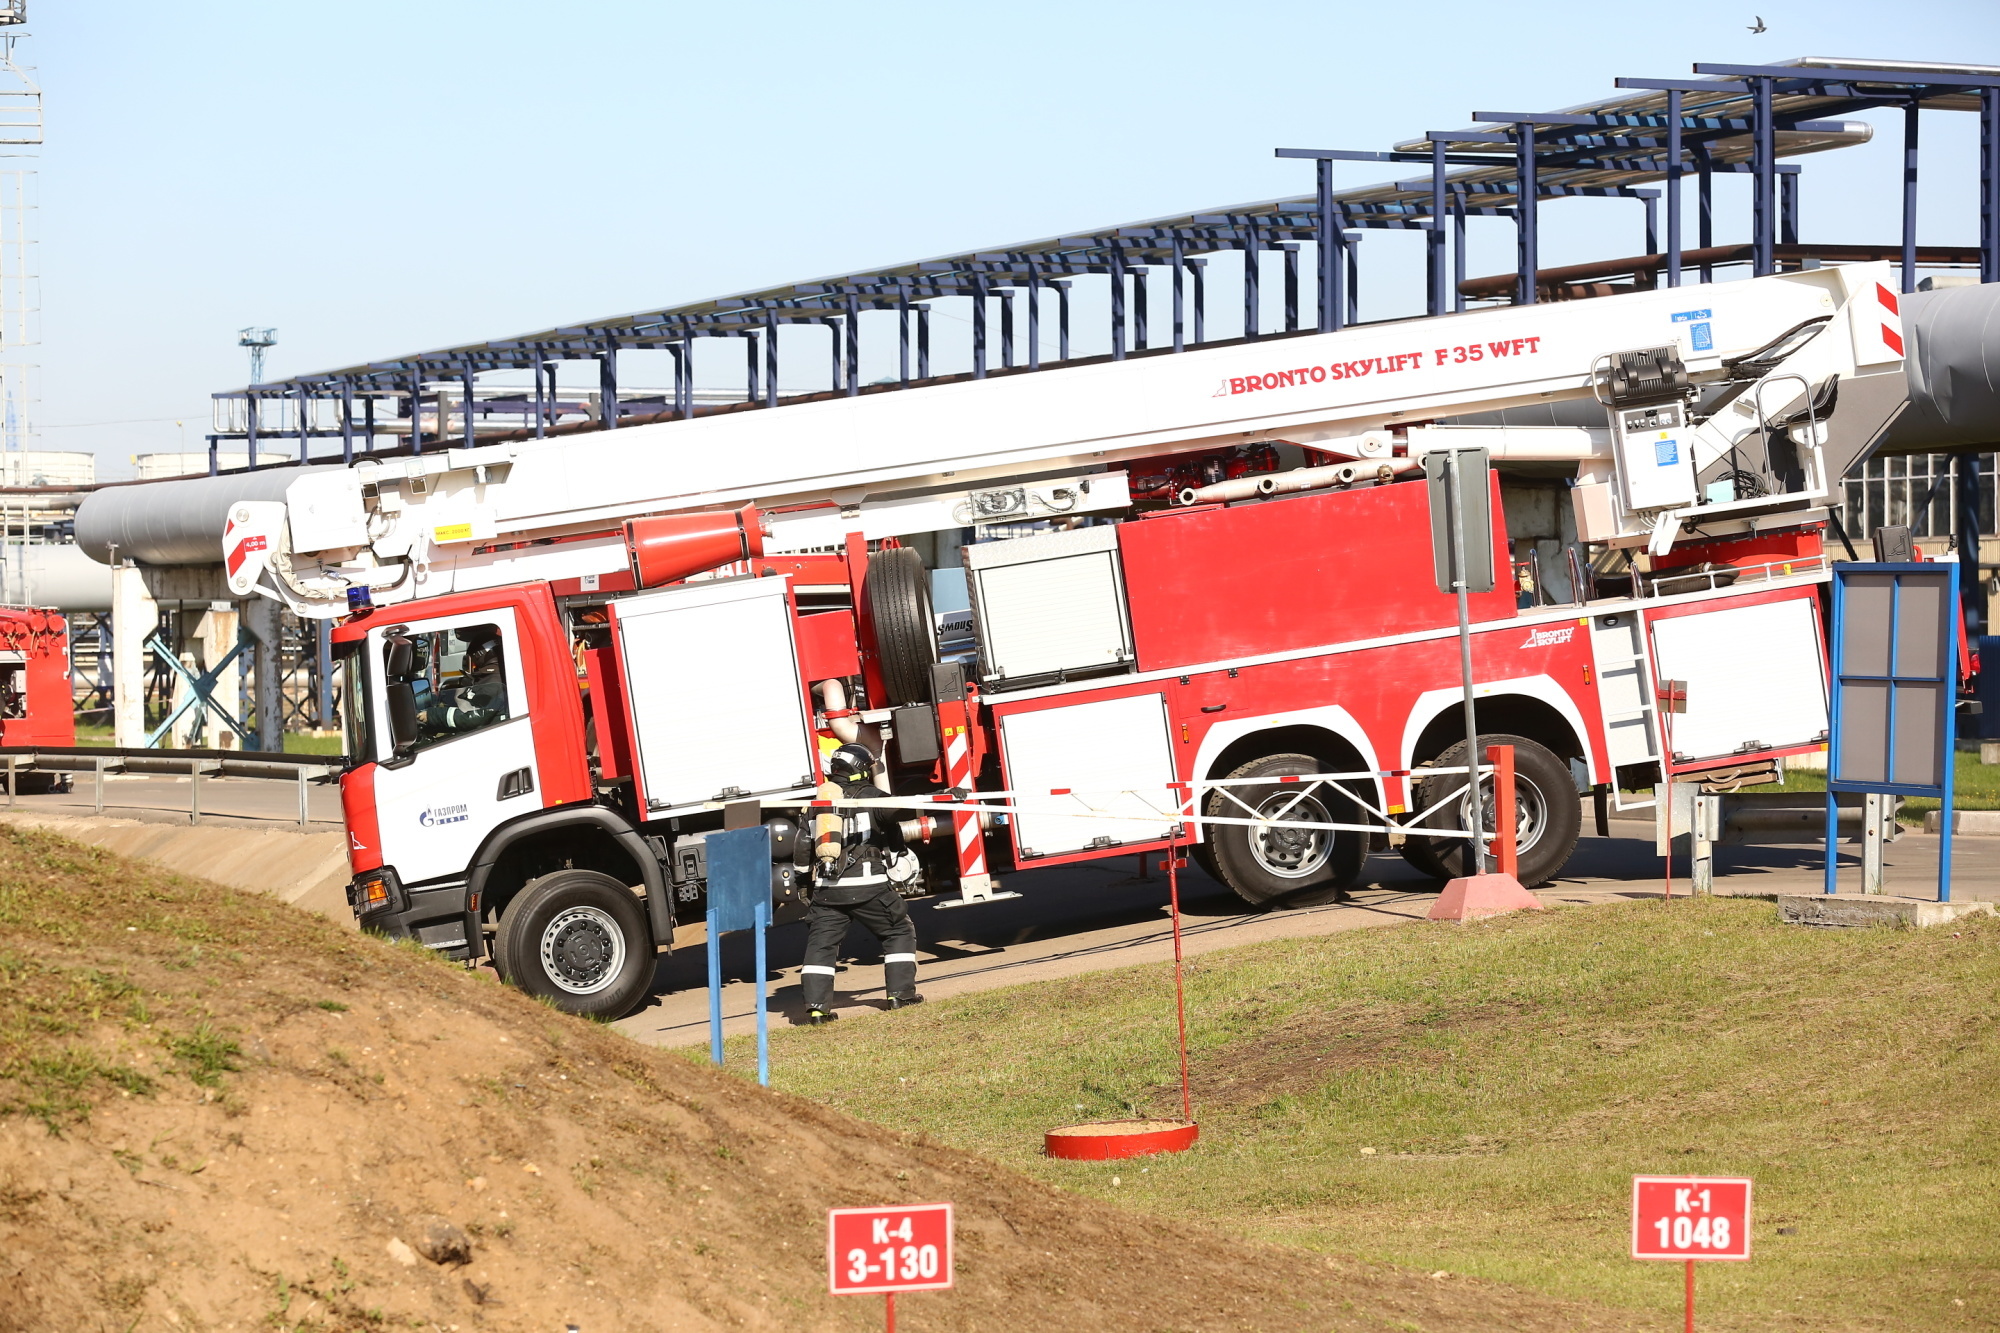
x=1760, y=24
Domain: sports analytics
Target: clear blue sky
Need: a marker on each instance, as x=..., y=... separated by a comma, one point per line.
x=375, y=178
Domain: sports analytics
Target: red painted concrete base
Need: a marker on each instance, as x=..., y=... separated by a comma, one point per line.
x=1482, y=895
x=1110, y=1140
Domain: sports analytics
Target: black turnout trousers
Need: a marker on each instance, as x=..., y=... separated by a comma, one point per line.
x=886, y=917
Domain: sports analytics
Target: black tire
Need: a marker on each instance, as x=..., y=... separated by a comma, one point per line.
x=1548, y=818
x=578, y=939
x=899, y=602
x=1284, y=863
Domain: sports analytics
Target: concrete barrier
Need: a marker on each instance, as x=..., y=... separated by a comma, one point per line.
x=1973, y=823
x=307, y=869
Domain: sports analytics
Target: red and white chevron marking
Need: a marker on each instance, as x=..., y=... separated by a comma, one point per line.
x=965, y=824
x=1892, y=322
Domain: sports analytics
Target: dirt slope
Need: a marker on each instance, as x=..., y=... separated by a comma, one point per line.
x=217, y=1112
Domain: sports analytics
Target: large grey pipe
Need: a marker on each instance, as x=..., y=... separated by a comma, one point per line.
x=176, y=522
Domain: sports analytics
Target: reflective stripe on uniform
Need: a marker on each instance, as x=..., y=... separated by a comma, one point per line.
x=846, y=881
x=815, y=970
x=899, y=958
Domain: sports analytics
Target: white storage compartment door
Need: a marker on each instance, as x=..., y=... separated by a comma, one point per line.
x=1095, y=750
x=712, y=679
x=1756, y=679
x=1049, y=603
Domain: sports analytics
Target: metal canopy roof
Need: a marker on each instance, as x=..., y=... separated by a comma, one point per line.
x=1605, y=147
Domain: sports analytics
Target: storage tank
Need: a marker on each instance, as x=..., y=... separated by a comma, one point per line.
x=47, y=467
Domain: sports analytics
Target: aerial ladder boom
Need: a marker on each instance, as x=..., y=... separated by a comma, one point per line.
x=1694, y=381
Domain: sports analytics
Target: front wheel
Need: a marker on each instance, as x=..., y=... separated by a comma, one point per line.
x=1547, y=815
x=579, y=940
x=1262, y=864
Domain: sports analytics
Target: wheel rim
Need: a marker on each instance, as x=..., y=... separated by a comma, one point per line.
x=1531, y=813
x=1292, y=853
x=583, y=950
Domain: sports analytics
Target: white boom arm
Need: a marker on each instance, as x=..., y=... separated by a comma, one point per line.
x=918, y=460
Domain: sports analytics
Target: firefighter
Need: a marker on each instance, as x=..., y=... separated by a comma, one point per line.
x=851, y=883
x=481, y=696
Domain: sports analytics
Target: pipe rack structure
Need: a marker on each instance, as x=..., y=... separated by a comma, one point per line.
x=1734, y=119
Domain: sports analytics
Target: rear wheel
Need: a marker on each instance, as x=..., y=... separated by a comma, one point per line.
x=578, y=939
x=1271, y=863
x=1547, y=816
x=899, y=604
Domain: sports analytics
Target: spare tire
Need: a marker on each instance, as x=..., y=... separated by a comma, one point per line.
x=898, y=589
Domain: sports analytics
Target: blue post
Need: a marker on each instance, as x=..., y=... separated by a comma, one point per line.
x=1528, y=236
x=1910, y=122
x=1674, y=188
x=1950, y=735
x=763, y=1007
x=1832, y=842
x=714, y=988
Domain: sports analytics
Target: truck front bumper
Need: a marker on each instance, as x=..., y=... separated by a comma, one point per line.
x=436, y=916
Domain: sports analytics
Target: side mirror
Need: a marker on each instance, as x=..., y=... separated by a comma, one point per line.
x=403, y=715
x=400, y=657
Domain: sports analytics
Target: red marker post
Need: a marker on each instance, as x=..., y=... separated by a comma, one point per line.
x=1690, y=1218
x=888, y=1250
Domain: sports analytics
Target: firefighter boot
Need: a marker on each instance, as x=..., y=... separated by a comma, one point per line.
x=816, y=980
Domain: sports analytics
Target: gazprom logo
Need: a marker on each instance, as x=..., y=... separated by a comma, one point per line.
x=443, y=814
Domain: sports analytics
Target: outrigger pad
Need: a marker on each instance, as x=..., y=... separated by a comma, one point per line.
x=1482, y=895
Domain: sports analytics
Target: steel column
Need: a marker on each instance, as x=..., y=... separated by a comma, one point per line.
x=1062, y=320
x=978, y=328
x=1180, y=294
x=1434, y=240
x=1763, y=182
x=1674, y=187
x=1972, y=587
x=1704, y=235
x=542, y=396
x=367, y=422
x=1788, y=206
x=1200, y=267
x=924, y=342
x=1139, y=279
x=1006, y=328
x=1910, y=126
x=750, y=367
x=305, y=440
x=1251, y=295
x=853, y=345
x=347, y=421
x=770, y=358
x=250, y=430
x=1291, y=253
x=903, y=341
x=1989, y=185
x=1034, y=318
x=1117, y=304
x=1457, y=249
x=1329, y=252
x=607, y=389
x=1351, y=246
x=466, y=381
x=1528, y=239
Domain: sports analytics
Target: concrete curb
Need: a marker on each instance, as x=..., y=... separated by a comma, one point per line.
x=1819, y=909
x=1975, y=823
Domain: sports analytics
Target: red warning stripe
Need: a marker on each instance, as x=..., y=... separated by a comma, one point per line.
x=1893, y=338
x=1887, y=298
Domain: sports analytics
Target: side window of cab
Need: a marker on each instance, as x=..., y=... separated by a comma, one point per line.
x=445, y=683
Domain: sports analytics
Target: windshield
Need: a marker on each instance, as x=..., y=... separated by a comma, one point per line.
x=356, y=733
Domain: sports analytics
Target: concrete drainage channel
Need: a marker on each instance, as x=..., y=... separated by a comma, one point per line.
x=48, y=768
x=256, y=830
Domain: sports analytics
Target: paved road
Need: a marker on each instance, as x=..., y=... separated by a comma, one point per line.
x=1085, y=918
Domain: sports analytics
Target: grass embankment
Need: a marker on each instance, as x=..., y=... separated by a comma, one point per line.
x=219, y=1112
x=1475, y=1099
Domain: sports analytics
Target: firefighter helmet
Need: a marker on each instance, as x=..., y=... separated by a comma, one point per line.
x=850, y=763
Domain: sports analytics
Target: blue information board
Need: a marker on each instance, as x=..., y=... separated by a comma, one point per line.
x=739, y=898
x=1895, y=690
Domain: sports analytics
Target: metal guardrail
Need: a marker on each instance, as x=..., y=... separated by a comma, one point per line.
x=270, y=765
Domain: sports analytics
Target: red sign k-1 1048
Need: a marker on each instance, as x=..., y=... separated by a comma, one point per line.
x=888, y=1249
x=1690, y=1217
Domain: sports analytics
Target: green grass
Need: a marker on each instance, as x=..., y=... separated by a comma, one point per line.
x=1510, y=1078
x=1975, y=786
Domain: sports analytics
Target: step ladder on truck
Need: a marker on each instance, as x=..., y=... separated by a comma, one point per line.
x=565, y=657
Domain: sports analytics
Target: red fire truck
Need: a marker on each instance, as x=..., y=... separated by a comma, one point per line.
x=560, y=670
x=35, y=703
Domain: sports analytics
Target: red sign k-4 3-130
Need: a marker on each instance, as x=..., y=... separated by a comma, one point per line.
x=888, y=1249
x=1690, y=1217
